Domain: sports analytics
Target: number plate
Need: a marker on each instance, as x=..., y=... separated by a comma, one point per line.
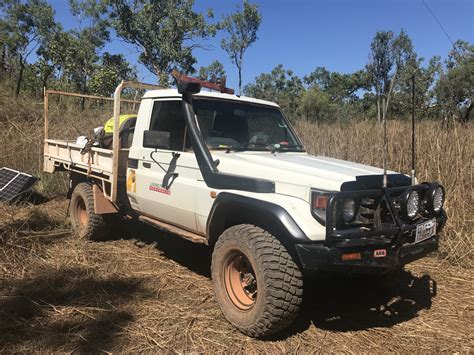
x=425, y=230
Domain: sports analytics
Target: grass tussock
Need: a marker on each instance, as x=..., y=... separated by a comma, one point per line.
x=146, y=291
x=443, y=154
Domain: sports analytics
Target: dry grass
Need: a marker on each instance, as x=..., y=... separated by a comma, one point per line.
x=443, y=154
x=144, y=291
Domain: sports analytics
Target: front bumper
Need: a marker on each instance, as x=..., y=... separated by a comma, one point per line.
x=372, y=258
x=388, y=244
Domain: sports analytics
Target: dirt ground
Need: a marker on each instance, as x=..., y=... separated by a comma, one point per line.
x=147, y=291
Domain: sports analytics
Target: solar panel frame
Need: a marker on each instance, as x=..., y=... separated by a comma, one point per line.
x=13, y=183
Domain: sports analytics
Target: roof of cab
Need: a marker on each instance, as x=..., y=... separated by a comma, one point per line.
x=173, y=93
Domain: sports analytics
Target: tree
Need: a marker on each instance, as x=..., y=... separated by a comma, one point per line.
x=82, y=55
x=280, y=85
x=165, y=32
x=213, y=71
x=316, y=105
x=241, y=28
x=112, y=69
x=425, y=77
x=455, y=88
x=388, y=55
x=340, y=87
x=26, y=24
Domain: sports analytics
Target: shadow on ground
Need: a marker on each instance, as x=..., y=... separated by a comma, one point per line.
x=195, y=257
x=332, y=301
x=73, y=309
x=351, y=303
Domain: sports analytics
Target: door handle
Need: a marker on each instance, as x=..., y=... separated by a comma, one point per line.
x=146, y=165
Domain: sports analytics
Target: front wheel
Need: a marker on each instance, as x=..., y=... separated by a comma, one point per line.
x=257, y=284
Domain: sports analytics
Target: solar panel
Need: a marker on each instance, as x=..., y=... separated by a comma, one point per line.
x=13, y=183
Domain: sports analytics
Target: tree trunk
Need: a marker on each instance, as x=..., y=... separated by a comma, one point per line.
x=20, y=78
x=240, y=81
x=378, y=109
x=384, y=112
x=84, y=90
x=467, y=115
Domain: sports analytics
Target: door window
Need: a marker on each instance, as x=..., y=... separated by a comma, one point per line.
x=168, y=116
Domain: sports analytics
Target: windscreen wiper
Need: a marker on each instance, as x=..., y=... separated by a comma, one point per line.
x=253, y=146
x=287, y=148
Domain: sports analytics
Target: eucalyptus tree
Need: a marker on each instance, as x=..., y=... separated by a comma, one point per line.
x=280, y=85
x=166, y=32
x=389, y=53
x=24, y=26
x=455, y=88
x=213, y=71
x=241, y=32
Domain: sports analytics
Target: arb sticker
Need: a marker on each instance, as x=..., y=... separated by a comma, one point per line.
x=158, y=188
x=380, y=253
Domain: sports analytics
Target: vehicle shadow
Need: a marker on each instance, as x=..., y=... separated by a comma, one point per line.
x=195, y=257
x=335, y=302
x=73, y=308
x=345, y=303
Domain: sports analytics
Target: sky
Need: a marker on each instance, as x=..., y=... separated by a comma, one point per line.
x=305, y=34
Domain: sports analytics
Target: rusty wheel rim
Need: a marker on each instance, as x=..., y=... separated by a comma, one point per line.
x=81, y=213
x=240, y=281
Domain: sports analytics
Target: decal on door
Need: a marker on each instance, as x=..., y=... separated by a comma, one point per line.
x=158, y=188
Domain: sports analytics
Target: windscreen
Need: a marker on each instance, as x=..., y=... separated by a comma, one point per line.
x=244, y=126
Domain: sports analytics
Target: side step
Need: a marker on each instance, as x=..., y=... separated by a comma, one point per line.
x=193, y=237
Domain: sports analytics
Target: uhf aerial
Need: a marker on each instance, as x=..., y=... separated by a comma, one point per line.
x=413, y=144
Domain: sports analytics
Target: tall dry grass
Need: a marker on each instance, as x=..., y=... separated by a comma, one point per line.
x=443, y=154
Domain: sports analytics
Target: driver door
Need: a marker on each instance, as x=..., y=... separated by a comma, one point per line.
x=176, y=202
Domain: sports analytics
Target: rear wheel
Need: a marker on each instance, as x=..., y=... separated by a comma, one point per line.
x=257, y=284
x=86, y=223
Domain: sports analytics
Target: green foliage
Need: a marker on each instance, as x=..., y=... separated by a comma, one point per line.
x=164, y=31
x=213, y=71
x=389, y=54
x=281, y=86
x=167, y=31
x=340, y=87
x=23, y=27
x=110, y=72
x=241, y=28
x=316, y=105
x=455, y=88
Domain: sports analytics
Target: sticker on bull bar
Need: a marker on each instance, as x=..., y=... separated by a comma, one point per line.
x=380, y=253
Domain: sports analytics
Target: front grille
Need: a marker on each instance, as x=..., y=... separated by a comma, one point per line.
x=378, y=215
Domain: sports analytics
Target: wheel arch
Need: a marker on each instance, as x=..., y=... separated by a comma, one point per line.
x=231, y=209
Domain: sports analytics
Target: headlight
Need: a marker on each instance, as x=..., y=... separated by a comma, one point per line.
x=319, y=202
x=435, y=199
x=348, y=209
x=438, y=199
x=410, y=204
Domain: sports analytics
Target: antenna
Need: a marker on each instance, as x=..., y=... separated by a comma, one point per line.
x=442, y=28
x=385, y=151
x=413, y=178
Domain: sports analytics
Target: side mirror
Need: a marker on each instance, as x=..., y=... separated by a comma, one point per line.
x=156, y=139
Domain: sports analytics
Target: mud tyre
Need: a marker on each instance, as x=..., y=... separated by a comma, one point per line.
x=257, y=284
x=85, y=222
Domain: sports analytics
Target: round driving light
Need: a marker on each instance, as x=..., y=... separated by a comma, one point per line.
x=413, y=204
x=438, y=199
x=348, y=210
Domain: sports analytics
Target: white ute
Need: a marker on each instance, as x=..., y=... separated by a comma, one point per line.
x=230, y=172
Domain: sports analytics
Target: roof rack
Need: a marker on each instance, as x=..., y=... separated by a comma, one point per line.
x=182, y=79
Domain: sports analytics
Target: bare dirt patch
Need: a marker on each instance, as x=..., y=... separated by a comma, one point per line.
x=146, y=291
